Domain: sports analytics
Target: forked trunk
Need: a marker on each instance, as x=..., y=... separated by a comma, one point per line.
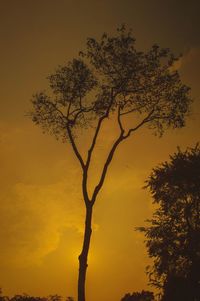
x=84, y=254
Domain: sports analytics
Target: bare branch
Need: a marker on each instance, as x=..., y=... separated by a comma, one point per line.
x=84, y=187
x=132, y=110
x=119, y=120
x=74, y=111
x=145, y=120
x=68, y=109
x=56, y=109
x=101, y=119
x=76, y=151
x=105, y=168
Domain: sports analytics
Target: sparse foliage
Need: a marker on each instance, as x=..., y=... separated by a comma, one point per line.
x=110, y=79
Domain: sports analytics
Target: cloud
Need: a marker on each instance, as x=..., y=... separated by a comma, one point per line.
x=33, y=219
x=39, y=196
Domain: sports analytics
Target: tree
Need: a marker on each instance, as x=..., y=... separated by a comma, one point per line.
x=25, y=297
x=110, y=80
x=2, y=297
x=173, y=237
x=139, y=296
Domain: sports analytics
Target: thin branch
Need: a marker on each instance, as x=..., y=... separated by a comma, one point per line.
x=80, y=100
x=145, y=120
x=56, y=109
x=84, y=188
x=105, y=168
x=68, y=110
x=101, y=119
x=83, y=110
x=90, y=151
x=77, y=153
x=132, y=110
x=119, y=120
x=74, y=111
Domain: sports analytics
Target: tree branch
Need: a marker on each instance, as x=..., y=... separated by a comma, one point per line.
x=101, y=119
x=84, y=188
x=132, y=110
x=56, y=109
x=68, y=110
x=119, y=120
x=145, y=120
x=105, y=168
x=77, y=153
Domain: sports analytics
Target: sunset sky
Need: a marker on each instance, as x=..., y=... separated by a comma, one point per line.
x=42, y=213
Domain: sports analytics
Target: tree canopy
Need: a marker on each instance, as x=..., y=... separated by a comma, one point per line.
x=111, y=75
x=173, y=236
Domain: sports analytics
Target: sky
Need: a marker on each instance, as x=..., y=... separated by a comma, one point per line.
x=42, y=213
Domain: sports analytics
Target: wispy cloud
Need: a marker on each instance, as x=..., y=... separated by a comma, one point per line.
x=33, y=220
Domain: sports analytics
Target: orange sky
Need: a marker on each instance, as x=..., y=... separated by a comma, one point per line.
x=40, y=200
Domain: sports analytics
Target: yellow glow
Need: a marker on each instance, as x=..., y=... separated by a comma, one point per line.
x=42, y=213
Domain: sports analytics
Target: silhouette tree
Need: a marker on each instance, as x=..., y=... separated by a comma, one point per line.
x=2, y=297
x=110, y=80
x=26, y=297
x=139, y=296
x=173, y=237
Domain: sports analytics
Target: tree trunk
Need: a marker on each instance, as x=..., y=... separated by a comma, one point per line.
x=84, y=254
